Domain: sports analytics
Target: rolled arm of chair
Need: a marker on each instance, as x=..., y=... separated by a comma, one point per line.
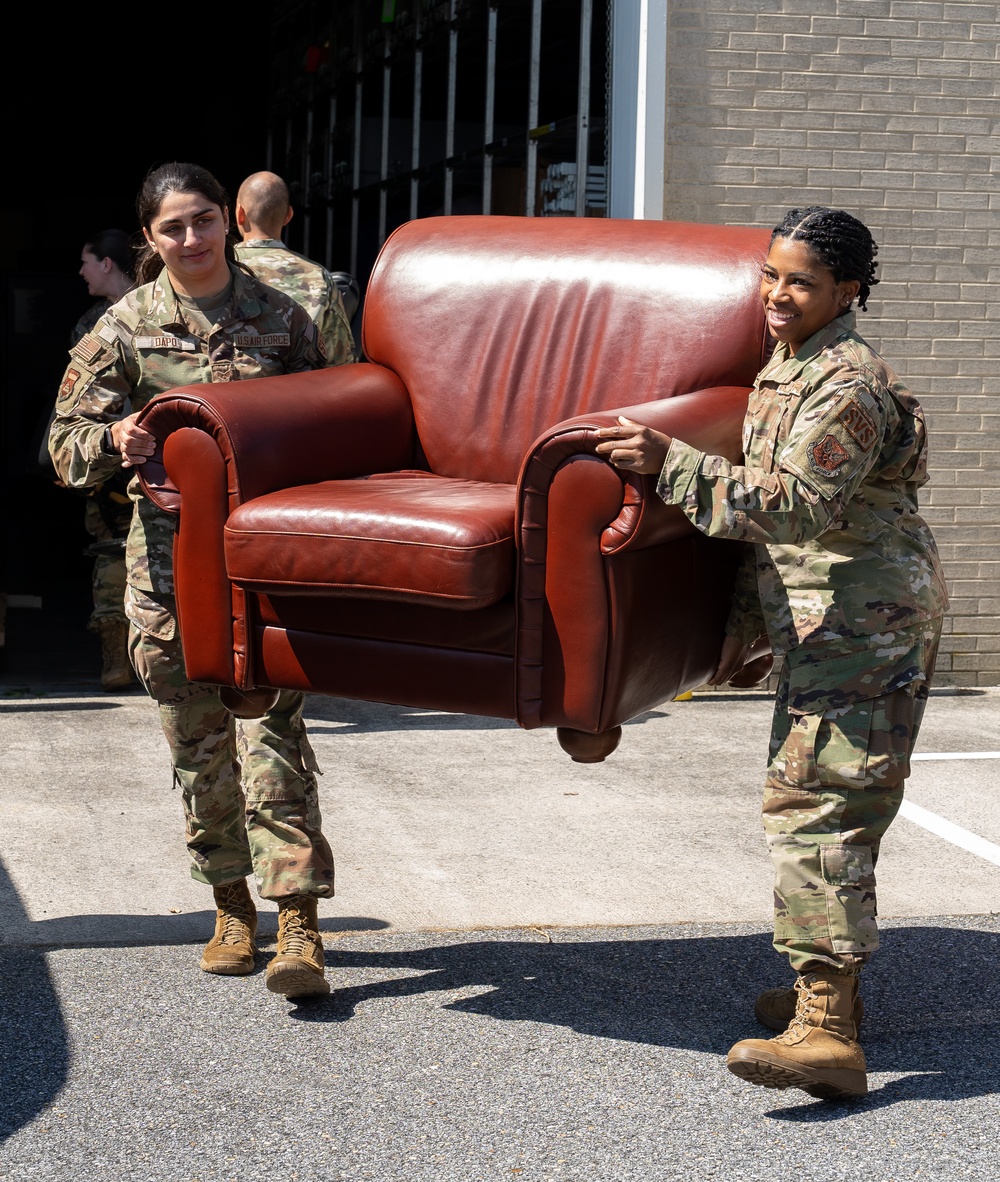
x=710, y=420
x=221, y=444
x=575, y=513
x=284, y=431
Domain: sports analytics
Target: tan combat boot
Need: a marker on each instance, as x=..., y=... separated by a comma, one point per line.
x=116, y=671
x=297, y=969
x=819, y=1051
x=775, y=1008
x=230, y=951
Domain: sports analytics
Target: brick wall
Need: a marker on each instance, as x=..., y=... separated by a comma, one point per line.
x=889, y=109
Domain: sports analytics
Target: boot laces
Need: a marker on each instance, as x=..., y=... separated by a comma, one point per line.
x=234, y=929
x=231, y=902
x=297, y=939
x=803, y=1008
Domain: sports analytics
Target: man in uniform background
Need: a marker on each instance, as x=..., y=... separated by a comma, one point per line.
x=262, y=212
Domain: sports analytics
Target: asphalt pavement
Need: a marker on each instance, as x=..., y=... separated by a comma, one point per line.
x=537, y=966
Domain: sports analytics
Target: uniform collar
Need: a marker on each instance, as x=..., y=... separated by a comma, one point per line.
x=243, y=304
x=268, y=242
x=784, y=368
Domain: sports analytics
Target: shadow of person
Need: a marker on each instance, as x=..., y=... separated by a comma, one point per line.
x=696, y=993
x=34, y=1046
x=34, y=1041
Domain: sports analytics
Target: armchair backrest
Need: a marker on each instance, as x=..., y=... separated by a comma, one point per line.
x=501, y=327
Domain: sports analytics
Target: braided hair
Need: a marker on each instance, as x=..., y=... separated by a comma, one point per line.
x=840, y=241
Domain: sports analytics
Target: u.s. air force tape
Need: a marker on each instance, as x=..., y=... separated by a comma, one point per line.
x=244, y=340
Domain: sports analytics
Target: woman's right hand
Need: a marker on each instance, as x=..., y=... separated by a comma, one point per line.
x=135, y=443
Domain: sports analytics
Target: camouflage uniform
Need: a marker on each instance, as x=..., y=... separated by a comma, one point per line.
x=106, y=518
x=89, y=319
x=145, y=344
x=308, y=284
x=844, y=578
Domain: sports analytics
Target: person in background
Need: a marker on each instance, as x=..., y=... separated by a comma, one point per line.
x=843, y=577
x=106, y=266
x=262, y=212
x=249, y=788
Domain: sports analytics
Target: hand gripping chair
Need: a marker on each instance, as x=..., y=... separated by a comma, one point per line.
x=432, y=527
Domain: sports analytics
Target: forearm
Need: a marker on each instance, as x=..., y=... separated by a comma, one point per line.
x=76, y=445
x=726, y=500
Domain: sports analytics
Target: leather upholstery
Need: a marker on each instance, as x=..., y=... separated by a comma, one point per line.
x=433, y=527
x=406, y=536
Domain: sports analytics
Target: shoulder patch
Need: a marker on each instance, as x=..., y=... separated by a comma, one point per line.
x=828, y=454
x=70, y=379
x=88, y=348
x=859, y=424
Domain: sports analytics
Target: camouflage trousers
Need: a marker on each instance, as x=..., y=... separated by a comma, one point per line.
x=248, y=785
x=108, y=581
x=834, y=784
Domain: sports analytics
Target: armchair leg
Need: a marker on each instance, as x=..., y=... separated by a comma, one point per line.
x=584, y=747
x=248, y=703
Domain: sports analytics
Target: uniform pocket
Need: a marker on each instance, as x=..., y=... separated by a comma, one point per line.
x=843, y=737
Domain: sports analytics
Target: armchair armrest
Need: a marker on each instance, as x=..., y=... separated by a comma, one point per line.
x=284, y=431
x=222, y=444
x=710, y=420
x=576, y=513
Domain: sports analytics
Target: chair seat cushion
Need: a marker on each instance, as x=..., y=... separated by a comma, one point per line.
x=409, y=536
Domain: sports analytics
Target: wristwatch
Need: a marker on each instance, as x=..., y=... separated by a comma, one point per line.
x=108, y=443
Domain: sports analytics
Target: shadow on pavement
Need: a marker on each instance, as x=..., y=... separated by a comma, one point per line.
x=34, y=1047
x=146, y=931
x=348, y=716
x=932, y=998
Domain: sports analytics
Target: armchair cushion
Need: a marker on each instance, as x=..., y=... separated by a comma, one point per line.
x=411, y=537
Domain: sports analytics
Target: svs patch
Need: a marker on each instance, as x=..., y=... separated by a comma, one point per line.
x=859, y=424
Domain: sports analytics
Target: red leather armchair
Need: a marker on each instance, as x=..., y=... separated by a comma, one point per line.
x=432, y=527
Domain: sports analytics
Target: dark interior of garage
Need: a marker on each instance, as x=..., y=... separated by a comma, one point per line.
x=374, y=111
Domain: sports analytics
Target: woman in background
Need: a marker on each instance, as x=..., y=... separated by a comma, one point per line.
x=106, y=266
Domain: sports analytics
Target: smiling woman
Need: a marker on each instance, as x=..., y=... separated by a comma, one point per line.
x=199, y=316
x=800, y=297
x=843, y=581
x=190, y=237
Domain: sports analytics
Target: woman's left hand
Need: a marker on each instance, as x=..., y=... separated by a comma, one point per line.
x=633, y=447
x=135, y=443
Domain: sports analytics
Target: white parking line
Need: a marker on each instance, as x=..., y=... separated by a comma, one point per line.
x=945, y=829
x=949, y=832
x=959, y=755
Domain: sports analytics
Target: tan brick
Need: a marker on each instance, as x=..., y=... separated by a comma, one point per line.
x=979, y=662
x=905, y=131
